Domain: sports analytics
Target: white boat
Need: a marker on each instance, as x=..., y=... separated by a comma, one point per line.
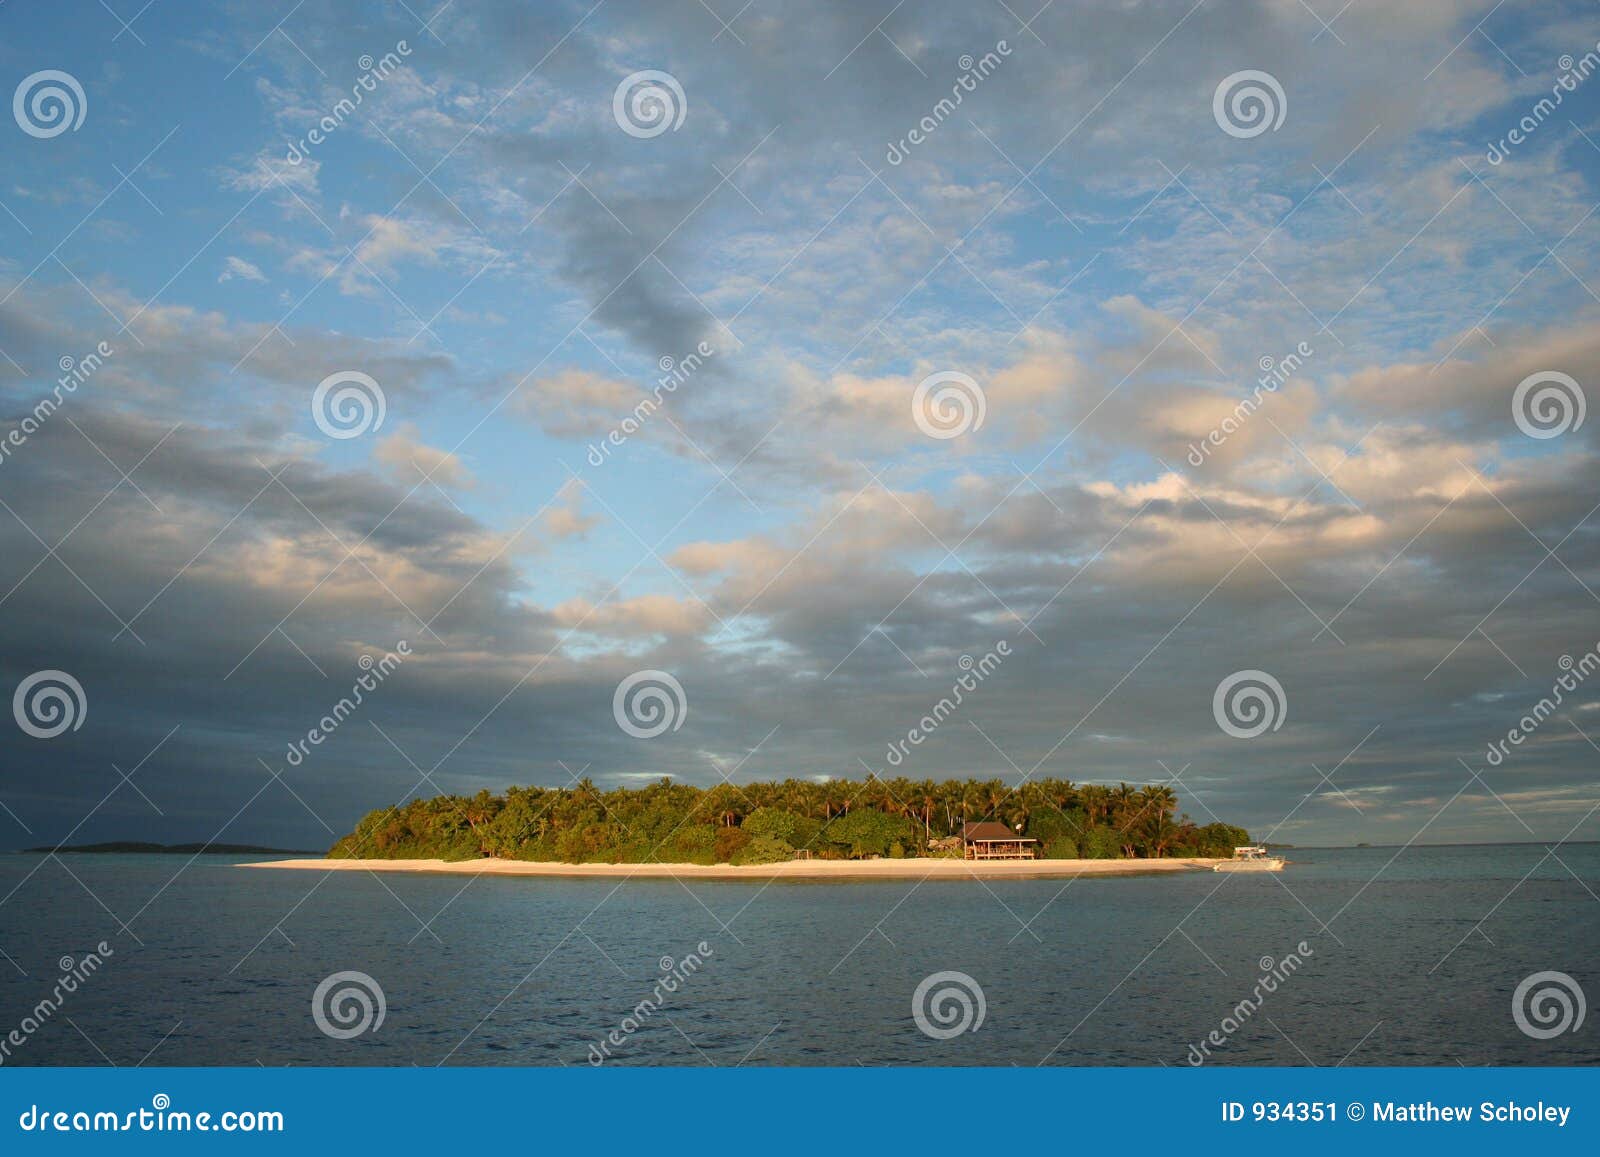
x=1250, y=858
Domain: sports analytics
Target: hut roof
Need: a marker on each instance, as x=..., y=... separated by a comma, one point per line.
x=988, y=831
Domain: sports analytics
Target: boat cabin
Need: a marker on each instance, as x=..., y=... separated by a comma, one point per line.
x=1251, y=858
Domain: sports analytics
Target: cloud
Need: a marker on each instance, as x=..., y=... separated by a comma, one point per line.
x=573, y=403
x=238, y=267
x=565, y=518
x=169, y=362
x=270, y=170
x=409, y=459
x=636, y=618
x=1472, y=389
x=1374, y=530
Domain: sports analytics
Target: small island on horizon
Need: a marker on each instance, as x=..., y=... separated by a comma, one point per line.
x=140, y=847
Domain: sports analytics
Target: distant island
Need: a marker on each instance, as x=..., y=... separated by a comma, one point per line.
x=775, y=822
x=129, y=847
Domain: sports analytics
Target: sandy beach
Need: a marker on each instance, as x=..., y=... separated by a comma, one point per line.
x=911, y=869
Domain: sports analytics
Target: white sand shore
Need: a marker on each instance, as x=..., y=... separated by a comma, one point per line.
x=915, y=869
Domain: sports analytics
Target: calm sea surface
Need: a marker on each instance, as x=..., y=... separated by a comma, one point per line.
x=1414, y=960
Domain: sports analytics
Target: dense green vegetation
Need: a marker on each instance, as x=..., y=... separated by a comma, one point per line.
x=768, y=822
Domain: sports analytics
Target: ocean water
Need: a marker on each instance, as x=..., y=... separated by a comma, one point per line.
x=1413, y=958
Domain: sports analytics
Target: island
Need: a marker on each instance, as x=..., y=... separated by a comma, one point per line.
x=799, y=828
x=140, y=848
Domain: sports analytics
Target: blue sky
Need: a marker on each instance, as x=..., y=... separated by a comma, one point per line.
x=1082, y=238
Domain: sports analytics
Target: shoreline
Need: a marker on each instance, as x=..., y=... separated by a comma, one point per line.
x=908, y=869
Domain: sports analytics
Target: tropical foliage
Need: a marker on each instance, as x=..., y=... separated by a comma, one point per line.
x=755, y=823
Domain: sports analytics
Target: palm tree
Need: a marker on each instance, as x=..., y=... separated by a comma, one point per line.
x=1159, y=802
x=1061, y=792
x=1095, y=801
x=1122, y=800
x=925, y=791
x=723, y=801
x=971, y=801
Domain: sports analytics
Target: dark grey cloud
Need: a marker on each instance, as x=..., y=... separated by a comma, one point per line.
x=833, y=697
x=1124, y=590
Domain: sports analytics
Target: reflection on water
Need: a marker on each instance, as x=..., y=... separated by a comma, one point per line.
x=218, y=965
